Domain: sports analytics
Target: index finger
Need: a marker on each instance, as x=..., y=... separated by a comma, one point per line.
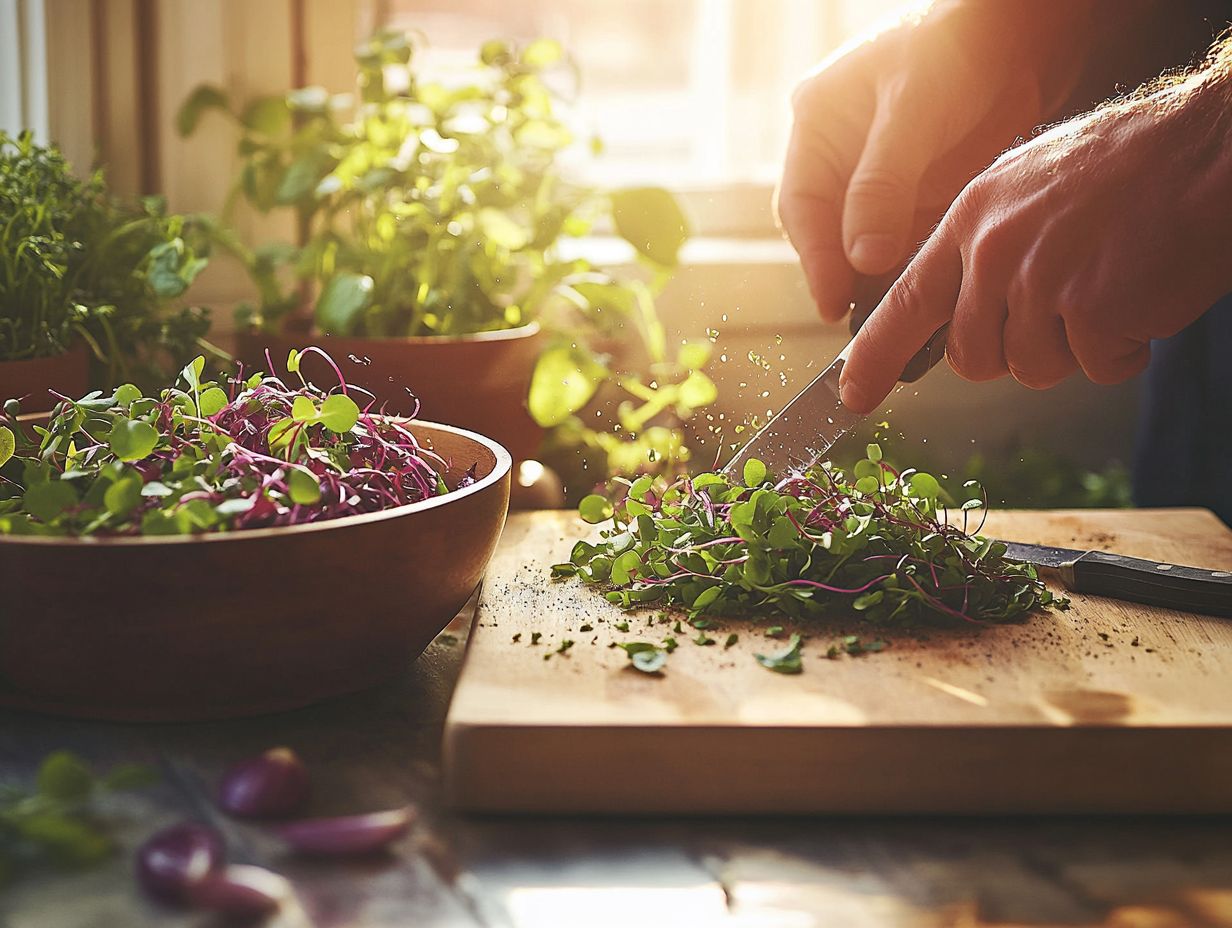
x=920, y=302
x=809, y=207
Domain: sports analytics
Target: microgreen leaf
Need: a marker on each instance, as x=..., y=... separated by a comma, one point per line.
x=787, y=661
x=645, y=656
x=303, y=486
x=132, y=439
x=64, y=776
x=123, y=496
x=339, y=413
x=924, y=486
x=45, y=501
x=595, y=509
x=304, y=409
x=754, y=473
x=651, y=661
x=126, y=394
x=212, y=401
x=7, y=445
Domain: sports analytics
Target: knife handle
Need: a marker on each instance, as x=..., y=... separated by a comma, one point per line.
x=1154, y=583
x=868, y=293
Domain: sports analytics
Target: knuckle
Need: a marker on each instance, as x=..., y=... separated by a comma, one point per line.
x=968, y=361
x=879, y=184
x=1105, y=370
x=993, y=243
x=807, y=95
x=1034, y=377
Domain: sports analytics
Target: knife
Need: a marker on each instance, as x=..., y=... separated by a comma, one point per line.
x=1153, y=583
x=812, y=423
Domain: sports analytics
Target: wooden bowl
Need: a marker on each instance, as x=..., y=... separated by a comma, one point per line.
x=230, y=624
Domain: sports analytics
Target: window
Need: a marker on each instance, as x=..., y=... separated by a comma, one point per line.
x=23, y=72
x=685, y=93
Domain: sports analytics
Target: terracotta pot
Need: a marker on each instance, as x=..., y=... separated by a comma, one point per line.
x=30, y=381
x=477, y=382
x=210, y=626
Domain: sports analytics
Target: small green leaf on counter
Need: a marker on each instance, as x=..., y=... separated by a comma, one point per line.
x=787, y=661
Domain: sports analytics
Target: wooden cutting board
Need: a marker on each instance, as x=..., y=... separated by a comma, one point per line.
x=1109, y=707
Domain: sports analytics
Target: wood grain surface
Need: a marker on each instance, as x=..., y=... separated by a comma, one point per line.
x=1106, y=707
x=382, y=748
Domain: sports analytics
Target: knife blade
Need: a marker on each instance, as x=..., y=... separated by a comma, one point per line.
x=807, y=428
x=1153, y=583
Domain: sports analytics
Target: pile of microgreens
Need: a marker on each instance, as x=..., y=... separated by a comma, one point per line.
x=877, y=541
x=203, y=458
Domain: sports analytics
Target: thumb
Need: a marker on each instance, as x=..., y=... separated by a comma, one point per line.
x=879, y=209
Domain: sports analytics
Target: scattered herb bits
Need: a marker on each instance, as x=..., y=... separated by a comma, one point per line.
x=787, y=661
x=877, y=540
x=646, y=657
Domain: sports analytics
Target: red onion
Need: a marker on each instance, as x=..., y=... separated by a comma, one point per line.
x=241, y=891
x=270, y=785
x=348, y=834
x=175, y=859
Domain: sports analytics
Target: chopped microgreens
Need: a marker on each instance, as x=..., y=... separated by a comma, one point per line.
x=787, y=661
x=646, y=657
x=876, y=540
x=206, y=457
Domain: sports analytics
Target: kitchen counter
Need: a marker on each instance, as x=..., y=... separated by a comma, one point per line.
x=382, y=748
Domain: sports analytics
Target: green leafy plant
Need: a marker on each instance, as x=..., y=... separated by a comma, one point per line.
x=201, y=457
x=55, y=823
x=427, y=208
x=76, y=262
x=877, y=541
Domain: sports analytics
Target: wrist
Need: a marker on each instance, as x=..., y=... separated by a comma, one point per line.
x=1198, y=108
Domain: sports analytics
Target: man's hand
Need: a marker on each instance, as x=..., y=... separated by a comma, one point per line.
x=1072, y=251
x=886, y=135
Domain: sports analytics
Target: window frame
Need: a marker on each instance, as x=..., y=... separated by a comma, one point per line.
x=23, y=67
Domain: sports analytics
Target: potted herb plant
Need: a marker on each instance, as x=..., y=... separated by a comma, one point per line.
x=433, y=223
x=84, y=275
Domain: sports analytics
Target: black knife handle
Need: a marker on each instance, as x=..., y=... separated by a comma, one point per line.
x=1154, y=583
x=868, y=293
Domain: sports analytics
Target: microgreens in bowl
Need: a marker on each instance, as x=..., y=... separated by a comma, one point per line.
x=205, y=457
x=877, y=541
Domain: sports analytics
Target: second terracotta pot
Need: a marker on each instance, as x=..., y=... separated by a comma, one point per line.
x=477, y=382
x=30, y=381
